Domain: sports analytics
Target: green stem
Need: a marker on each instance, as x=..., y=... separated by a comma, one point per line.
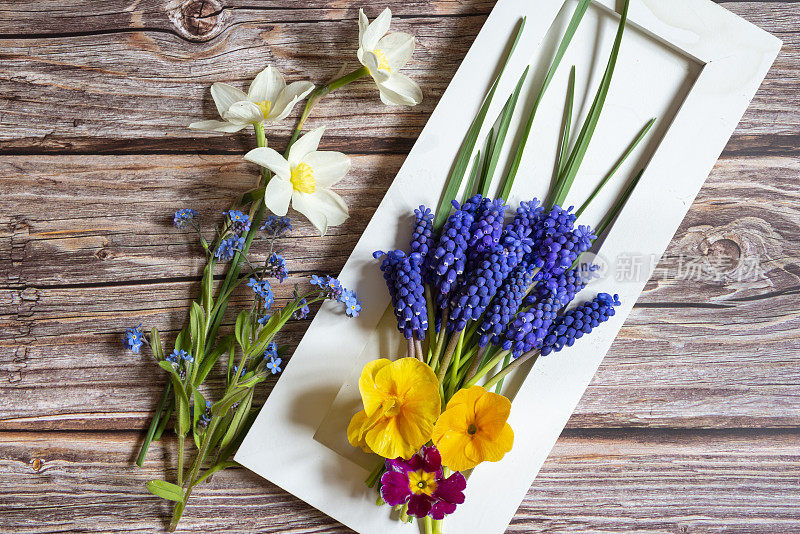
x=486, y=368
x=321, y=92
x=375, y=474
x=496, y=379
x=181, y=454
x=448, y=354
x=428, y=524
x=499, y=387
x=154, y=424
x=437, y=526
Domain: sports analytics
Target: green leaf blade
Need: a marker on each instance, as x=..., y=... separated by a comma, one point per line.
x=165, y=490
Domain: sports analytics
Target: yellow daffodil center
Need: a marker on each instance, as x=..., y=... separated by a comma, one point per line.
x=421, y=482
x=383, y=61
x=264, y=106
x=302, y=179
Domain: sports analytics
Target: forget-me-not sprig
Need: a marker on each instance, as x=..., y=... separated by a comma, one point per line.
x=505, y=305
x=263, y=319
x=422, y=235
x=302, y=310
x=134, y=339
x=275, y=225
x=228, y=247
x=576, y=323
x=240, y=222
x=205, y=417
x=449, y=258
x=276, y=266
x=179, y=356
x=273, y=365
x=334, y=290
x=271, y=351
x=487, y=228
x=184, y=217
x=263, y=289
x=403, y=275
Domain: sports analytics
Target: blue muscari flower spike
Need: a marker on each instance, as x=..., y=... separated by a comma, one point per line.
x=422, y=236
x=487, y=228
x=576, y=323
x=563, y=287
x=274, y=365
x=530, y=326
x=558, y=243
x=240, y=222
x=134, y=339
x=403, y=275
x=276, y=225
x=263, y=290
x=486, y=272
x=183, y=217
x=448, y=258
x=505, y=305
x=228, y=247
x=276, y=266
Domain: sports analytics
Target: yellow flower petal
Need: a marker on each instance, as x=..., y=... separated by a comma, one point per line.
x=474, y=429
x=354, y=431
x=370, y=394
x=401, y=405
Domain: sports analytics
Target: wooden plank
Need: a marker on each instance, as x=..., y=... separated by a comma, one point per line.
x=644, y=482
x=133, y=79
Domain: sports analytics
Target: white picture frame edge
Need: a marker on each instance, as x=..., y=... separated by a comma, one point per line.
x=281, y=445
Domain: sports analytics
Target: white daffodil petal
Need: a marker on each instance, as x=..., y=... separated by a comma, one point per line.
x=266, y=86
x=272, y=160
x=372, y=62
x=277, y=195
x=304, y=146
x=293, y=93
x=225, y=96
x=329, y=167
x=400, y=90
x=363, y=24
x=323, y=202
x=243, y=113
x=216, y=126
x=398, y=48
x=377, y=29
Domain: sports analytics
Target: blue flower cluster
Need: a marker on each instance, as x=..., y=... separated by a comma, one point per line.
x=276, y=266
x=240, y=223
x=449, y=258
x=272, y=359
x=134, y=339
x=205, y=417
x=179, y=356
x=183, y=217
x=302, y=309
x=333, y=289
x=228, y=247
x=422, y=236
x=558, y=242
x=276, y=225
x=576, y=323
x=263, y=290
x=488, y=224
x=403, y=275
x=505, y=305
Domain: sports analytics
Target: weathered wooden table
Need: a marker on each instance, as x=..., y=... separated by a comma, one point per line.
x=692, y=423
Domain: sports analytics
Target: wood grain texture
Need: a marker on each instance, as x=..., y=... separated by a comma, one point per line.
x=593, y=481
x=690, y=425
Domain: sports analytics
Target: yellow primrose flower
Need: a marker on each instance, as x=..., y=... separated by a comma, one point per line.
x=473, y=429
x=384, y=55
x=401, y=404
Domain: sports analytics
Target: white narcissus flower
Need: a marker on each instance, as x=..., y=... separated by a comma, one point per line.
x=305, y=179
x=384, y=55
x=268, y=99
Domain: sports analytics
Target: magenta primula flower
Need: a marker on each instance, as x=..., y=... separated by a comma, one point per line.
x=420, y=482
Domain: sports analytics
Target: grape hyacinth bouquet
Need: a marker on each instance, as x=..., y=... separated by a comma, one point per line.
x=483, y=287
x=204, y=353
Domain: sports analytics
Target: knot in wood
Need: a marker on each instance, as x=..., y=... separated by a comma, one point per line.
x=724, y=254
x=199, y=20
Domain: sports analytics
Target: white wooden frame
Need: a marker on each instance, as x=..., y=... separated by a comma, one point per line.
x=733, y=58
